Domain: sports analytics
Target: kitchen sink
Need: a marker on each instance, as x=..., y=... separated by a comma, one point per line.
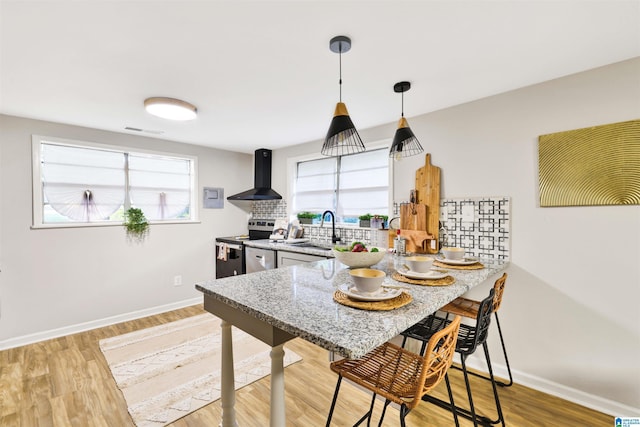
x=317, y=245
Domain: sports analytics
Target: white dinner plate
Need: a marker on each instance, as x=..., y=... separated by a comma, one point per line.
x=431, y=274
x=463, y=261
x=381, y=295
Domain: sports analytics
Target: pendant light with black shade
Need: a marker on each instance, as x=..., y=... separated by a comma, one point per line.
x=405, y=143
x=342, y=137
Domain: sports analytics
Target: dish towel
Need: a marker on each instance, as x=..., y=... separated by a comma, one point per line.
x=223, y=248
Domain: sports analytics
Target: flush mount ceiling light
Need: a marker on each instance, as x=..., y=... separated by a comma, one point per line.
x=170, y=108
x=405, y=143
x=342, y=137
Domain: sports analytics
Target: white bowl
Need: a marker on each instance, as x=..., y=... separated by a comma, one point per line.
x=367, y=279
x=453, y=253
x=359, y=259
x=419, y=264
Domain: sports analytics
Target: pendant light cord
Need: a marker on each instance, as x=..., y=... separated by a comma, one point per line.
x=402, y=108
x=340, y=81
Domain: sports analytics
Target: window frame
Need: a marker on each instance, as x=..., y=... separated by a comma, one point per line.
x=292, y=163
x=36, y=180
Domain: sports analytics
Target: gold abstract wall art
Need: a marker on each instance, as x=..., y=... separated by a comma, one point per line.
x=593, y=166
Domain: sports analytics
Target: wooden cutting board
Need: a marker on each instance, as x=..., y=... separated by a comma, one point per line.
x=417, y=241
x=428, y=188
x=413, y=216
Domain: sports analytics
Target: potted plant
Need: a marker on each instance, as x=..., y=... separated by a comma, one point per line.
x=365, y=220
x=136, y=223
x=379, y=221
x=306, y=217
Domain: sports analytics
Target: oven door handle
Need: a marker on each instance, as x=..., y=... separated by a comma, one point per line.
x=230, y=246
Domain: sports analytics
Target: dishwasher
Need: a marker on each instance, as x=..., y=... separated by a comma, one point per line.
x=259, y=259
x=229, y=258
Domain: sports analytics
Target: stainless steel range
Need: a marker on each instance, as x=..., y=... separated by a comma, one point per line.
x=230, y=251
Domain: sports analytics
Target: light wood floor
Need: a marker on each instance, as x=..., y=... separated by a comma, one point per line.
x=66, y=382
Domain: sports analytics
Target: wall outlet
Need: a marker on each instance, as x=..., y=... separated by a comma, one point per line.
x=177, y=280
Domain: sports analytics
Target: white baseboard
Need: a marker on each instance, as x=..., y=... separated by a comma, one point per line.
x=81, y=327
x=597, y=403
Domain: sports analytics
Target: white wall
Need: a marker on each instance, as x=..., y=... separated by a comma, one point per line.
x=53, y=280
x=570, y=316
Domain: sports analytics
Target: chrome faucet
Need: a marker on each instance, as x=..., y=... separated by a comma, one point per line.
x=334, y=239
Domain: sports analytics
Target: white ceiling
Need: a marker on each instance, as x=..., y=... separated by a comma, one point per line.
x=261, y=72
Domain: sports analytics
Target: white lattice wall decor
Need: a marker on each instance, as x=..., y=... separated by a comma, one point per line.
x=482, y=226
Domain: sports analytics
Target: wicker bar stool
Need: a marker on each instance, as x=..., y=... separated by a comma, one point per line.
x=469, y=308
x=469, y=338
x=401, y=376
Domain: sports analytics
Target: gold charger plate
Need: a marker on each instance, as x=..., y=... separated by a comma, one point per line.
x=476, y=266
x=445, y=281
x=390, y=304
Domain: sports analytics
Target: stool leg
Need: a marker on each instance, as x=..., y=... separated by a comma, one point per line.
x=403, y=413
x=483, y=420
x=404, y=340
x=453, y=406
x=369, y=414
x=504, y=351
x=493, y=386
x=466, y=382
x=423, y=346
x=373, y=402
x=384, y=410
x=333, y=402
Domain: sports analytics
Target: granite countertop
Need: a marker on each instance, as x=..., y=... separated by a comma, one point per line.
x=299, y=300
x=310, y=248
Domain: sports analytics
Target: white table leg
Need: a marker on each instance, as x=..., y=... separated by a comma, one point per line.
x=277, y=416
x=227, y=386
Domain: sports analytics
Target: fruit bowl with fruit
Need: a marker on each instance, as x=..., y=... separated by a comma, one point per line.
x=357, y=255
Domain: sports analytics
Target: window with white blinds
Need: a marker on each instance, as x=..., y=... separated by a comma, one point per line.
x=84, y=183
x=348, y=185
x=160, y=186
x=80, y=184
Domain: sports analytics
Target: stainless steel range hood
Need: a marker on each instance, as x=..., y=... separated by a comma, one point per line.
x=261, y=179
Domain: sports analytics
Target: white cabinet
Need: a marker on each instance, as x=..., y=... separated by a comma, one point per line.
x=286, y=259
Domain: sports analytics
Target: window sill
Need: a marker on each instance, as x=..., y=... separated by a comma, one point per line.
x=105, y=224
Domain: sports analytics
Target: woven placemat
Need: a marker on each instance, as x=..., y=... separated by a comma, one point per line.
x=390, y=304
x=476, y=266
x=424, y=282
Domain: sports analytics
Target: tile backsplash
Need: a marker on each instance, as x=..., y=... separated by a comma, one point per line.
x=480, y=225
x=347, y=235
x=270, y=209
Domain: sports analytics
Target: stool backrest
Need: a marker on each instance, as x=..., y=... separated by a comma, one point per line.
x=478, y=333
x=498, y=287
x=439, y=356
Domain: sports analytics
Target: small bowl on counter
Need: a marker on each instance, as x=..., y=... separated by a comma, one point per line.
x=419, y=263
x=453, y=253
x=367, y=280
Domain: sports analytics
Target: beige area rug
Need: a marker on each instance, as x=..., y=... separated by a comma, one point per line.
x=168, y=371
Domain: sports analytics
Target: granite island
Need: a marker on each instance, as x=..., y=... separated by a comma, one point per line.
x=278, y=305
